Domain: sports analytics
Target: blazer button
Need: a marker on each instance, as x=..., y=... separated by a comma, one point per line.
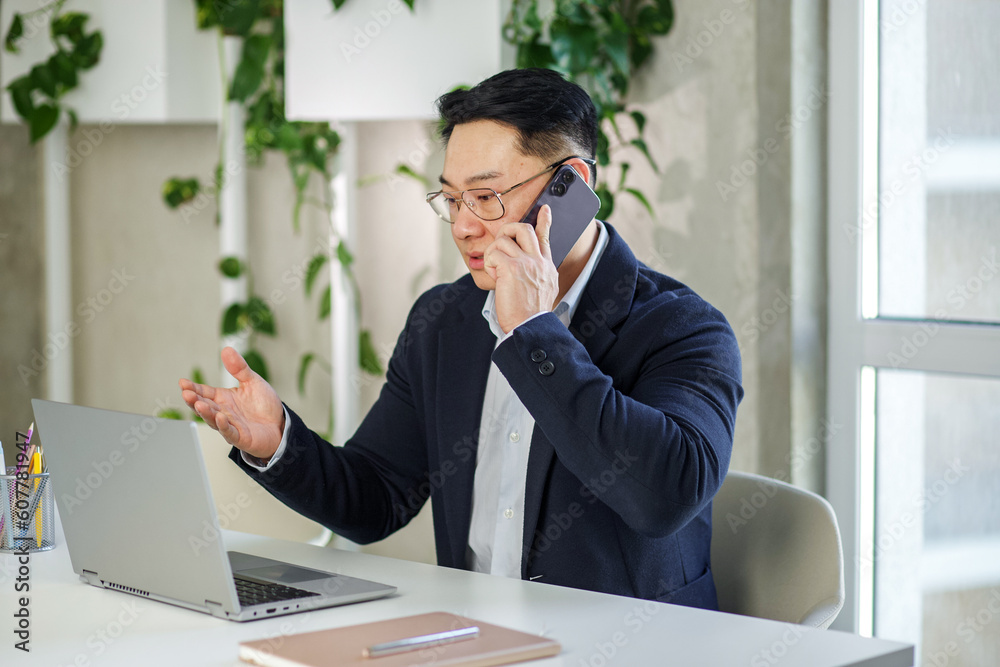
x=547, y=368
x=538, y=355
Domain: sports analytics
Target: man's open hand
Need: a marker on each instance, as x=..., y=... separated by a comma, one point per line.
x=250, y=417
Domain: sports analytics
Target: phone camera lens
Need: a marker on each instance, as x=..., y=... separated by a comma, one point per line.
x=558, y=189
x=568, y=177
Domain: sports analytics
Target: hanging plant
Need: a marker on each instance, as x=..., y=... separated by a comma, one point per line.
x=37, y=95
x=600, y=45
x=258, y=84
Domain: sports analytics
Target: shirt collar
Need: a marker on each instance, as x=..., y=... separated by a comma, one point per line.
x=567, y=307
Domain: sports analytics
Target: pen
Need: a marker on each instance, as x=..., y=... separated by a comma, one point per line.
x=35, y=469
x=5, y=493
x=420, y=641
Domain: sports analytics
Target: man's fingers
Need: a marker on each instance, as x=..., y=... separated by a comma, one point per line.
x=226, y=429
x=237, y=365
x=200, y=389
x=522, y=234
x=543, y=228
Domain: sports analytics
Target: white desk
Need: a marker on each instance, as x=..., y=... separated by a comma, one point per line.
x=76, y=624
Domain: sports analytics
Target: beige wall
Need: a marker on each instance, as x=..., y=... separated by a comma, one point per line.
x=704, y=115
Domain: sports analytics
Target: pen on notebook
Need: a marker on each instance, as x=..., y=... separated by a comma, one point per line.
x=421, y=641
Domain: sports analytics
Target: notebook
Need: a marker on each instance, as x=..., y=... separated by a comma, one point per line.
x=138, y=515
x=494, y=645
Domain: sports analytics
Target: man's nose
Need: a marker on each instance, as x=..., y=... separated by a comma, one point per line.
x=468, y=224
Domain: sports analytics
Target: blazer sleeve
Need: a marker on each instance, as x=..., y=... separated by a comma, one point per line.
x=667, y=421
x=363, y=490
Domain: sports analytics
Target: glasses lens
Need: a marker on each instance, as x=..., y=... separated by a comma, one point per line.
x=485, y=203
x=445, y=205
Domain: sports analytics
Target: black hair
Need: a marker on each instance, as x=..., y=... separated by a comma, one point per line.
x=553, y=117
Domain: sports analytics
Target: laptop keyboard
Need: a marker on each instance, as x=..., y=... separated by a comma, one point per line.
x=252, y=592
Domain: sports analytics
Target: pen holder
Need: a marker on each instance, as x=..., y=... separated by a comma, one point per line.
x=27, y=512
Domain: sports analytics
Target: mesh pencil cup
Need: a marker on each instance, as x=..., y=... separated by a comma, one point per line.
x=27, y=512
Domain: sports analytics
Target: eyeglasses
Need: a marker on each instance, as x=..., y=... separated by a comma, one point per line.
x=485, y=203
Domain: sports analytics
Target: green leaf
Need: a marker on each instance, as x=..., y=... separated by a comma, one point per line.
x=666, y=13
x=641, y=145
x=250, y=71
x=642, y=198
x=603, y=148
x=531, y=18
x=409, y=3
x=43, y=120
x=44, y=79
x=69, y=25
x=621, y=180
x=169, y=413
x=63, y=69
x=14, y=33
x=307, y=359
x=406, y=170
x=368, y=358
x=234, y=17
x=260, y=317
x=535, y=54
x=20, y=94
x=73, y=119
x=337, y=4
x=231, y=267
x=324, y=304
x=315, y=264
x=231, y=319
x=640, y=120
x=607, y=203
x=256, y=363
x=574, y=45
x=197, y=376
x=177, y=191
x=642, y=49
x=655, y=21
x=344, y=255
x=88, y=50
x=616, y=46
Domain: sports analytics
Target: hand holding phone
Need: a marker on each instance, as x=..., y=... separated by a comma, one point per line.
x=573, y=203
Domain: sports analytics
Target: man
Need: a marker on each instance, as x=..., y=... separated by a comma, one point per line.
x=571, y=427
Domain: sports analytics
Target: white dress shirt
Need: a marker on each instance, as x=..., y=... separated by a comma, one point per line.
x=497, y=526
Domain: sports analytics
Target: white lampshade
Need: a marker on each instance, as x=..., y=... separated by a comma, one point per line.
x=376, y=60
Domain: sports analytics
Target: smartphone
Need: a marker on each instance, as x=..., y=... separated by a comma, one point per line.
x=573, y=206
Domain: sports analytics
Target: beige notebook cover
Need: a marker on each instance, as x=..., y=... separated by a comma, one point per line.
x=495, y=645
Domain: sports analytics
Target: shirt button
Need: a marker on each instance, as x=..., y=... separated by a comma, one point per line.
x=509, y=513
x=515, y=436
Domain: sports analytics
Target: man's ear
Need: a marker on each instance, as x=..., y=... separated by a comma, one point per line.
x=581, y=167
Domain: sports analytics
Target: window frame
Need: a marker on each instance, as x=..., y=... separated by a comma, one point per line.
x=856, y=344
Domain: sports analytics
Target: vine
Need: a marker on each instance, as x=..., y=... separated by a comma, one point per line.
x=258, y=85
x=37, y=95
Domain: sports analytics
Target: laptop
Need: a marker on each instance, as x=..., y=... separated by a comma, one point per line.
x=138, y=515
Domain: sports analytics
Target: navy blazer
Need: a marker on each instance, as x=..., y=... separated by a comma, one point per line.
x=634, y=407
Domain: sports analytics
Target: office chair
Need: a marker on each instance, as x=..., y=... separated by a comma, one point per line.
x=776, y=552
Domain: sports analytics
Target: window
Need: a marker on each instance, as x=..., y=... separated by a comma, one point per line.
x=914, y=332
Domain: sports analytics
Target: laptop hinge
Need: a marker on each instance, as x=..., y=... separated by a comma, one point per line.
x=215, y=609
x=91, y=578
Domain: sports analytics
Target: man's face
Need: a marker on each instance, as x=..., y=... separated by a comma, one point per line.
x=484, y=154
